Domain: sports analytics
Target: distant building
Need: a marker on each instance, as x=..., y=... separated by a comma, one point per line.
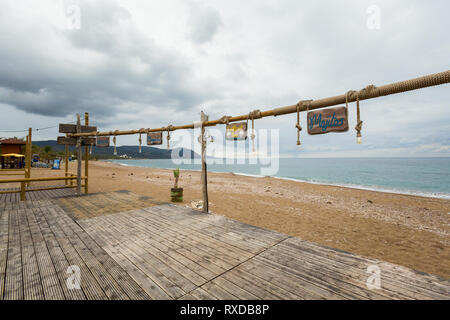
x=11, y=154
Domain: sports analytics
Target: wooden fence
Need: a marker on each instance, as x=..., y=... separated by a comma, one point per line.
x=26, y=181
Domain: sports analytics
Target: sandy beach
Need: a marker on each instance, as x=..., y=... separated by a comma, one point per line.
x=407, y=230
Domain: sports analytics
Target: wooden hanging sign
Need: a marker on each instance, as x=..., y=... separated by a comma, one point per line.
x=154, y=138
x=236, y=131
x=73, y=141
x=72, y=128
x=103, y=142
x=328, y=120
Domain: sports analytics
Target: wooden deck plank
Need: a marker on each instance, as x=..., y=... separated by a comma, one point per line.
x=152, y=289
x=153, y=273
x=237, y=291
x=31, y=278
x=411, y=287
x=158, y=248
x=322, y=276
x=193, y=250
x=200, y=294
x=189, y=246
x=89, y=285
x=130, y=287
x=164, y=243
x=197, y=223
x=106, y=285
x=13, y=280
x=100, y=235
x=218, y=292
x=233, y=253
x=49, y=279
x=4, y=236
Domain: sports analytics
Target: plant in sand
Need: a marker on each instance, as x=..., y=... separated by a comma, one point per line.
x=176, y=174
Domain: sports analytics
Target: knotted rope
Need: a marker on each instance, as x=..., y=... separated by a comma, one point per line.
x=359, y=123
x=299, y=128
x=169, y=128
x=301, y=104
x=115, y=143
x=254, y=114
x=140, y=139
x=350, y=94
x=225, y=120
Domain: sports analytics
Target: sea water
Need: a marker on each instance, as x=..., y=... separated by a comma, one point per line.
x=428, y=177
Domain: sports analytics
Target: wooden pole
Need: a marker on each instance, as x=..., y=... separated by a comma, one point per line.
x=28, y=153
x=26, y=157
x=204, y=118
x=66, y=159
x=86, y=155
x=22, y=192
x=79, y=156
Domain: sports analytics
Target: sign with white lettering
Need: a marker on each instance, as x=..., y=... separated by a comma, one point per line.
x=154, y=138
x=328, y=120
x=236, y=131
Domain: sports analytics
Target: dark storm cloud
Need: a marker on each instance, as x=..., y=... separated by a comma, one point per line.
x=102, y=67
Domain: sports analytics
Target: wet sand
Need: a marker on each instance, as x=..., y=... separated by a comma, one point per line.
x=407, y=230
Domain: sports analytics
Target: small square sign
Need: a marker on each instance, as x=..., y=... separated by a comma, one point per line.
x=154, y=138
x=103, y=142
x=328, y=120
x=236, y=131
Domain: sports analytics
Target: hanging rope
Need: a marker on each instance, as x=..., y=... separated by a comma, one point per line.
x=359, y=123
x=115, y=144
x=302, y=104
x=251, y=116
x=299, y=128
x=169, y=128
x=140, y=139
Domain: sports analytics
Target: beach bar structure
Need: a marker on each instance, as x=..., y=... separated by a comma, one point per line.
x=12, y=150
x=13, y=147
x=13, y=157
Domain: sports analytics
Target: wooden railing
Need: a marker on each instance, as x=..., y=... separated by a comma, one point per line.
x=11, y=172
x=25, y=181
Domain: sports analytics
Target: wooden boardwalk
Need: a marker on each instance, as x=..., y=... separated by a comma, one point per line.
x=164, y=251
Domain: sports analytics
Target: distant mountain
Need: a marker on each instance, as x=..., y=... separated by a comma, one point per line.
x=131, y=151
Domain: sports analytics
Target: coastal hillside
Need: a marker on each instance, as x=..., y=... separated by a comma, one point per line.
x=130, y=151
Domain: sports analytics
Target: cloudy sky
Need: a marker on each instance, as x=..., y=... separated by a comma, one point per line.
x=139, y=64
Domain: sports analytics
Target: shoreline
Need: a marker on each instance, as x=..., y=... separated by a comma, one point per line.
x=381, y=189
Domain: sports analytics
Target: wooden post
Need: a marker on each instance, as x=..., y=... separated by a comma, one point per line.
x=79, y=156
x=28, y=155
x=22, y=192
x=86, y=161
x=204, y=118
x=66, y=159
